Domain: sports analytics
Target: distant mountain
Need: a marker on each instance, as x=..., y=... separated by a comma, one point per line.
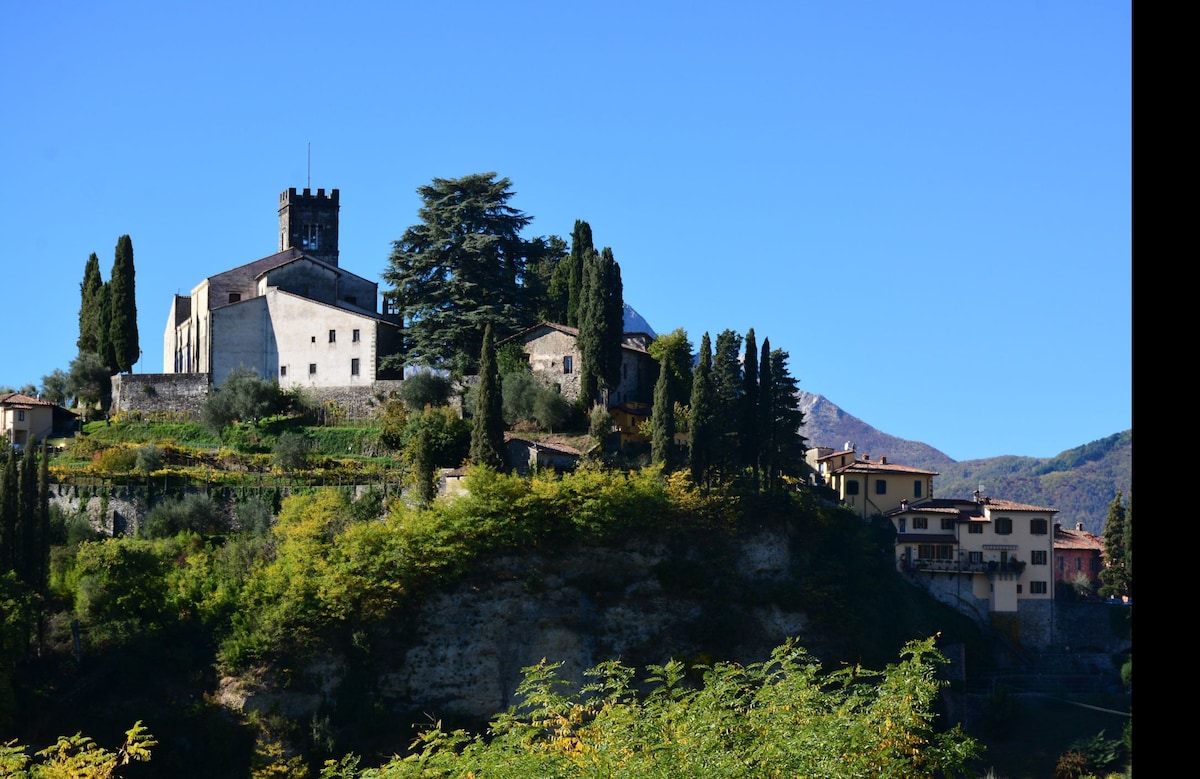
x=1079, y=482
x=636, y=323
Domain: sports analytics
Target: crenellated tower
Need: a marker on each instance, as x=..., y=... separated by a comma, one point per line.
x=309, y=223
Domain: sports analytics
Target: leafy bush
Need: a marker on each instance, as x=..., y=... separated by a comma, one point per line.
x=196, y=512
x=425, y=389
x=149, y=458
x=291, y=451
x=243, y=396
x=116, y=459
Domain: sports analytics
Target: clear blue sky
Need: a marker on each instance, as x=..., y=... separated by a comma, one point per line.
x=928, y=204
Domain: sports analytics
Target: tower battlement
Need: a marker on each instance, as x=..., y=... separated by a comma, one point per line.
x=310, y=222
x=293, y=195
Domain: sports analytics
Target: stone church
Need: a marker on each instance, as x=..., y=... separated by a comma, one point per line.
x=296, y=316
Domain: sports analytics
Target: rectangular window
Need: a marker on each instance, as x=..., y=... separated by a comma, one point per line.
x=1019, y=588
x=310, y=237
x=312, y=369
x=1037, y=588
x=568, y=364
x=283, y=370
x=975, y=557
x=880, y=486
x=355, y=336
x=20, y=416
x=235, y=297
x=1003, y=526
x=917, y=488
x=1062, y=562
x=1037, y=527
x=947, y=523
x=352, y=300
x=1037, y=557
x=851, y=487
x=333, y=336
x=920, y=523
x=354, y=366
x=974, y=527
x=314, y=339
x=1078, y=563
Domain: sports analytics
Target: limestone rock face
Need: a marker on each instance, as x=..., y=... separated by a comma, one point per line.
x=461, y=653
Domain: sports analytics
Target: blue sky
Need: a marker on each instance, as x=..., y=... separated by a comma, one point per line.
x=927, y=204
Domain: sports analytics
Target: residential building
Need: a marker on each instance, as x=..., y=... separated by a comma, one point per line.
x=25, y=420
x=870, y=487
x=994, y=552
x=296, y=315
x=1077, y=553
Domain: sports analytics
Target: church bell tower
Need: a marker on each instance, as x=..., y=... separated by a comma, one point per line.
x=309, y=223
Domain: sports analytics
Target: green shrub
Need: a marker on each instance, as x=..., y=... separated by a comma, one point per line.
x=149, y=458
x=196, y=512
x=291, y=451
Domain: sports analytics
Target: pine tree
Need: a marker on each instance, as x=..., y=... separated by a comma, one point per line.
x=749, y=416
x=90, y=292
x=662, y=419
x=1114, y=578
x=122, y=302
x=487, y=435
x=703, y=444
x=458, y=270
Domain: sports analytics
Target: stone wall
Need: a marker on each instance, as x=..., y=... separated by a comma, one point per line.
x=159, y=393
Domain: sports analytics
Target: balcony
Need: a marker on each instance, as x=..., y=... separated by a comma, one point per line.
x=956, y=566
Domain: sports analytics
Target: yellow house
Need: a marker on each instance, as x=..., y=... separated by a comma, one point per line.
x=25, y=420
x=994, y=551
x=869, y=486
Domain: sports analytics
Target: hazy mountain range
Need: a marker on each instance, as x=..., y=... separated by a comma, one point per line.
x=1079, y=482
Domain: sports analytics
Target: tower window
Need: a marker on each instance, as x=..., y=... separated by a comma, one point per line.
x=310, y=236
x=354, y=336
x=234, y=297
x=333, y=336
x=312, y=369
x=354, y=366
x=283, y=370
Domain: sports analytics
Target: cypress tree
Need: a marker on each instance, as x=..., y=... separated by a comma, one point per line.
x=123, y=306
x=766, y=415
x=1114, y=580
x=788, y=444
x=42, y=520
x=27, y=493
x=749, y=418
x=10, y=541
x=662, y=420
x=104, y=344
x=487, y=435
x=90, y=291
x=572, y=269
x=726, y=402
x=614, y=318
x=591, y=329
x=703, y=422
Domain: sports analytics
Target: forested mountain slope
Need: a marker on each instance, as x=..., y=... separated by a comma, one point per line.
x=1079, y=482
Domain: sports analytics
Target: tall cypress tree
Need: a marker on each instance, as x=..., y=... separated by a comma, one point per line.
x=1114, y=581
x=703, y=420
x=122, y=303
x=42, y=520
x=572, y=269
x=614, y=318
x=662, y=419
x=90, y=299
x=104, y=344
x=749, y=419
x=766, y=415
x=727, y=401
x=487, y=435
x=591, y=329
x=787, y=457
x=27, y=493
x=10, y=541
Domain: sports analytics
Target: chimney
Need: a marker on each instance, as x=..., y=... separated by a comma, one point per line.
x=883, y=460
x=1079, y=526
x=904, y=504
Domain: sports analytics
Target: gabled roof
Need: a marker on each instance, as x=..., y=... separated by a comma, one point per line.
x=1077, y=539
x=870, y=466
x=17, y=400
x=998, y=504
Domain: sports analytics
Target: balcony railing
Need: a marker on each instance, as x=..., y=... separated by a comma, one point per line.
x=957, y=566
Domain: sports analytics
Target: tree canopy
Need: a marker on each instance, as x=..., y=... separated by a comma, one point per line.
x=460, y=268
x=122, y=301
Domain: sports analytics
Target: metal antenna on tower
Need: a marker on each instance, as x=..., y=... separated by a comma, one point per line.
x=308, y=182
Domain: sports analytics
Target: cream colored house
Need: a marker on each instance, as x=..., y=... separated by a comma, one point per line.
x=996, y=551
x=295, y=316
x=25, y=420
